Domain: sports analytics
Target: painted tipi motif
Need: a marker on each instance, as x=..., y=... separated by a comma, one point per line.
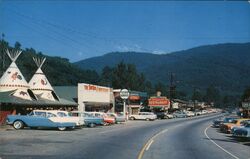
x=13, y=80
x=40, y=85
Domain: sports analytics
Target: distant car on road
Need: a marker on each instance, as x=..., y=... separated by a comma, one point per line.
x=143, y=116
x=42, y=118
x=179, y=114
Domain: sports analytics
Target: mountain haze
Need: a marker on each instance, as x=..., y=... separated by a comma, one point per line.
x=225, y=66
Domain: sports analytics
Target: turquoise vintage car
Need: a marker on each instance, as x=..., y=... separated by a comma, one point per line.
x=40, y=118
x=89, y=119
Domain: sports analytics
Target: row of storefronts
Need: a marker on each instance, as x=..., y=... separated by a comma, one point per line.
x=19, y=97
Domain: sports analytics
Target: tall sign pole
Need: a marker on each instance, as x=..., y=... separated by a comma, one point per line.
x=124, y=94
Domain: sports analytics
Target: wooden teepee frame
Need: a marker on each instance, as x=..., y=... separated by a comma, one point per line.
x=39, y=61
x=13, y=54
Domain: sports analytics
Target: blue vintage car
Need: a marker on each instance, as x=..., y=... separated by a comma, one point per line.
x=89, y=119
x=243, y=132
x=40, y=118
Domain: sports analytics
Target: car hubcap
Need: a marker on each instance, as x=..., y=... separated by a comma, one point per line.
x=17, y=125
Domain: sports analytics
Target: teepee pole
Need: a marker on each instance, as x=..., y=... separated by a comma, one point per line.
x=13, y=55
x=39, y=61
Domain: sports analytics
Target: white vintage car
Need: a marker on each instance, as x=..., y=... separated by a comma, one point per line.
x=44, y=118
x=65, y=117
x=143, y=116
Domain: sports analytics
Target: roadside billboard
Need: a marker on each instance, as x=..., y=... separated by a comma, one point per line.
x=158, y=101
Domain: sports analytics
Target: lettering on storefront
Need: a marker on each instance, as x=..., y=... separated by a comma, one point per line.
x=95, y=88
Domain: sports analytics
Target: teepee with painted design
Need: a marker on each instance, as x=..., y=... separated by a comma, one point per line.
x=13, y=80
x=40, y=85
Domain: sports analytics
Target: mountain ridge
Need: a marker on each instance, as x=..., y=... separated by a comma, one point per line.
x=225, y=66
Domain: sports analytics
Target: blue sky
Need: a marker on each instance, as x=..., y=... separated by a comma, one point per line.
x=83, y=29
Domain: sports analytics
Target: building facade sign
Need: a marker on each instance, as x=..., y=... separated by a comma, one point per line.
x=93, y=93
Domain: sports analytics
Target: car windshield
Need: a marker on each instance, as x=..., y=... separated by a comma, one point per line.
x=31, y=114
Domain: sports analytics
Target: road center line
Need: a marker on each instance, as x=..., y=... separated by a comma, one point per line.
x=205, y=132
x=149, y=143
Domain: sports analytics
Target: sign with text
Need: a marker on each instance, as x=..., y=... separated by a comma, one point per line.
x=124, y=94
x=158, y=101
x=94, y=93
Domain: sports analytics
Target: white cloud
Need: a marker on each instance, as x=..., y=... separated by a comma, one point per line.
x=159, y=52
x=134, y=47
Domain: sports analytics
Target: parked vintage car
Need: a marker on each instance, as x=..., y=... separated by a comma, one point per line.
x=163, y=115
x=89, y=119
x=190, y=114
x=106, y=118
x=160, y=115
x=79, y=121
x=218, y=122
x=243, y=132
x=169, y=116
x=226, y=127
x=143, y=116
x=197, y=112
x=242, y=125
x=42, y=118
x=118, y=118
x=179, y=114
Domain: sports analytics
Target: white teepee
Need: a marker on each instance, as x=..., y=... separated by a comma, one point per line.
x=13, y=80
x=40, y=85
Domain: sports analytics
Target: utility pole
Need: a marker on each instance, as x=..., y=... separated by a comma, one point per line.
x=171, y=90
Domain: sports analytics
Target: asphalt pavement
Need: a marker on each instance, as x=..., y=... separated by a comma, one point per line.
x=175, y=138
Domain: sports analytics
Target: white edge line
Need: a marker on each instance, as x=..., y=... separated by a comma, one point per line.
x=205, y=132
x=149, y=145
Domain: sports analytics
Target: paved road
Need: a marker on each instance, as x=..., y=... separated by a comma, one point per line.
x=178, y=138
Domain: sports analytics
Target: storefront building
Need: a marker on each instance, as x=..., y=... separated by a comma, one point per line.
x=95, y=98
x=136, y=101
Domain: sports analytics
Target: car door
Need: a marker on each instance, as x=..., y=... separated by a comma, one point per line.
x=39, y=119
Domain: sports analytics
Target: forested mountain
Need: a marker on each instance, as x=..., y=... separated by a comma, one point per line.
x=59, y=71
x=216, y=73
x=224, y=66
